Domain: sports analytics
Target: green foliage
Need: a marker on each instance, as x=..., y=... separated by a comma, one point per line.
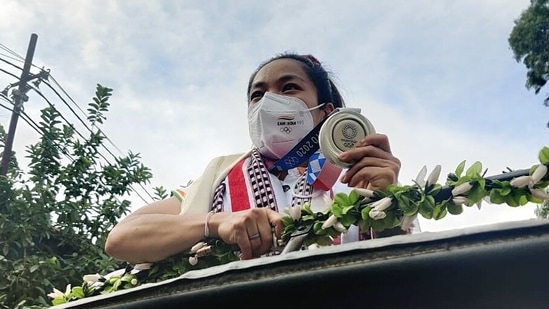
x=212, y=252
x=55, y=215
x=529, y=41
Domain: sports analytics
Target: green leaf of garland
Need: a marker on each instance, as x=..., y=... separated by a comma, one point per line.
x=474, y=169
x=544, y=155
x=454, y=209
x=460, y=168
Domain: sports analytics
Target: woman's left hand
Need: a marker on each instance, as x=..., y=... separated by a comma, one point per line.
x=374, y=166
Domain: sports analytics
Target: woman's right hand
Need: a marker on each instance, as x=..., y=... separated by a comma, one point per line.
x=252, y=230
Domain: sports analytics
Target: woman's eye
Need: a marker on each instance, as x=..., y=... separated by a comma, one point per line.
x=256, y=95
x=289, y=87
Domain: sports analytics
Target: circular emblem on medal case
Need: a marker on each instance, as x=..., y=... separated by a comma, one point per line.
x=341, y=131
x=349, y=131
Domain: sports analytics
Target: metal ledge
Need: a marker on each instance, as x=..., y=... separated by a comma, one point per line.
x=493, y=266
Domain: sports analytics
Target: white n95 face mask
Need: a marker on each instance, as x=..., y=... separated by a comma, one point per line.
x=277, y=123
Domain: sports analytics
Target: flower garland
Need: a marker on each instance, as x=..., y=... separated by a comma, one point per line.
x=398, y=207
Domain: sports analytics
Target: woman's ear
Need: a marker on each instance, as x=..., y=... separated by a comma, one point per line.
x=328, y=109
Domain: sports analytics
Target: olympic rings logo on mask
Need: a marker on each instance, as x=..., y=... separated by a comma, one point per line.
x=286, y=130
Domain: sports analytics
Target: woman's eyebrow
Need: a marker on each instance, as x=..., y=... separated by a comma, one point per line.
x=281, y=79
x=258, y=85
x=288, y=77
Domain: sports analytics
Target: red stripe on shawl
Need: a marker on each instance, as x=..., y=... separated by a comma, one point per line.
x=238, y=189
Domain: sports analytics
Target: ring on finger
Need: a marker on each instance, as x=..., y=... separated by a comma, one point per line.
x=254, y=236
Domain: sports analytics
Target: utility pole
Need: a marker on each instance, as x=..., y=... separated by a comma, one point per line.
x=20, y=97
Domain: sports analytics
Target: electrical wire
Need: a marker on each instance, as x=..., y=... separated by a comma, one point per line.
x=4, y=47
x=80, y=119
x=82, y=136
x=9, y=73
x=81, y=110
x=10, y=63
x=26, y=118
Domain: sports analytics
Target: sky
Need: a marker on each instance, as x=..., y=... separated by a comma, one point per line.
x=437, y=77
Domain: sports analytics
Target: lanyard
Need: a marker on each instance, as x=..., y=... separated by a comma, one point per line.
x=303, y=150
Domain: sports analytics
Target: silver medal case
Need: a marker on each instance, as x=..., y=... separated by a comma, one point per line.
x=341, y=132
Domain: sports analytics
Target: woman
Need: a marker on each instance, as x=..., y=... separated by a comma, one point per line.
x=239, y=199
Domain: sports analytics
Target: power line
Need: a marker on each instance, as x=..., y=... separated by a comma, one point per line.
x=37, y=128
x=81, y=110
x=10, y=57
x=82, y=136
x=4, y=47
x=82, y=121
x=65, y=93
x=10, y=74
x=99, y=130
x=10, y=63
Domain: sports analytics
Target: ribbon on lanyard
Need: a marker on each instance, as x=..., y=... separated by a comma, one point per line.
x=321, y=173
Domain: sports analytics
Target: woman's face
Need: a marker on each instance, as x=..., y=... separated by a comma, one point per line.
x=287, y=77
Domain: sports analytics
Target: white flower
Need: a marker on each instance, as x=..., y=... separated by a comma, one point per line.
x=294, y=212
x=462, y=189
x=116, y=273
x=538, y=193
x=420, y=178
x=377, y=214
x=193, y=260
x=539, y=173
x=382, y=204
x=522, y=181
x=460, y=200
x=197, y=247
x=58, y=294
x=93, y=278
x=377, y=211
x=338, y=226
x=330, y=222
x=407, y=222
x=433, y=177
x=364, y=192
x=142, y=266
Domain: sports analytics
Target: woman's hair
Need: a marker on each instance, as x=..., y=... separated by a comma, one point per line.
x=326, y=89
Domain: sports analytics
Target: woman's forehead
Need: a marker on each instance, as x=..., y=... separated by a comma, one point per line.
x=279, y=68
